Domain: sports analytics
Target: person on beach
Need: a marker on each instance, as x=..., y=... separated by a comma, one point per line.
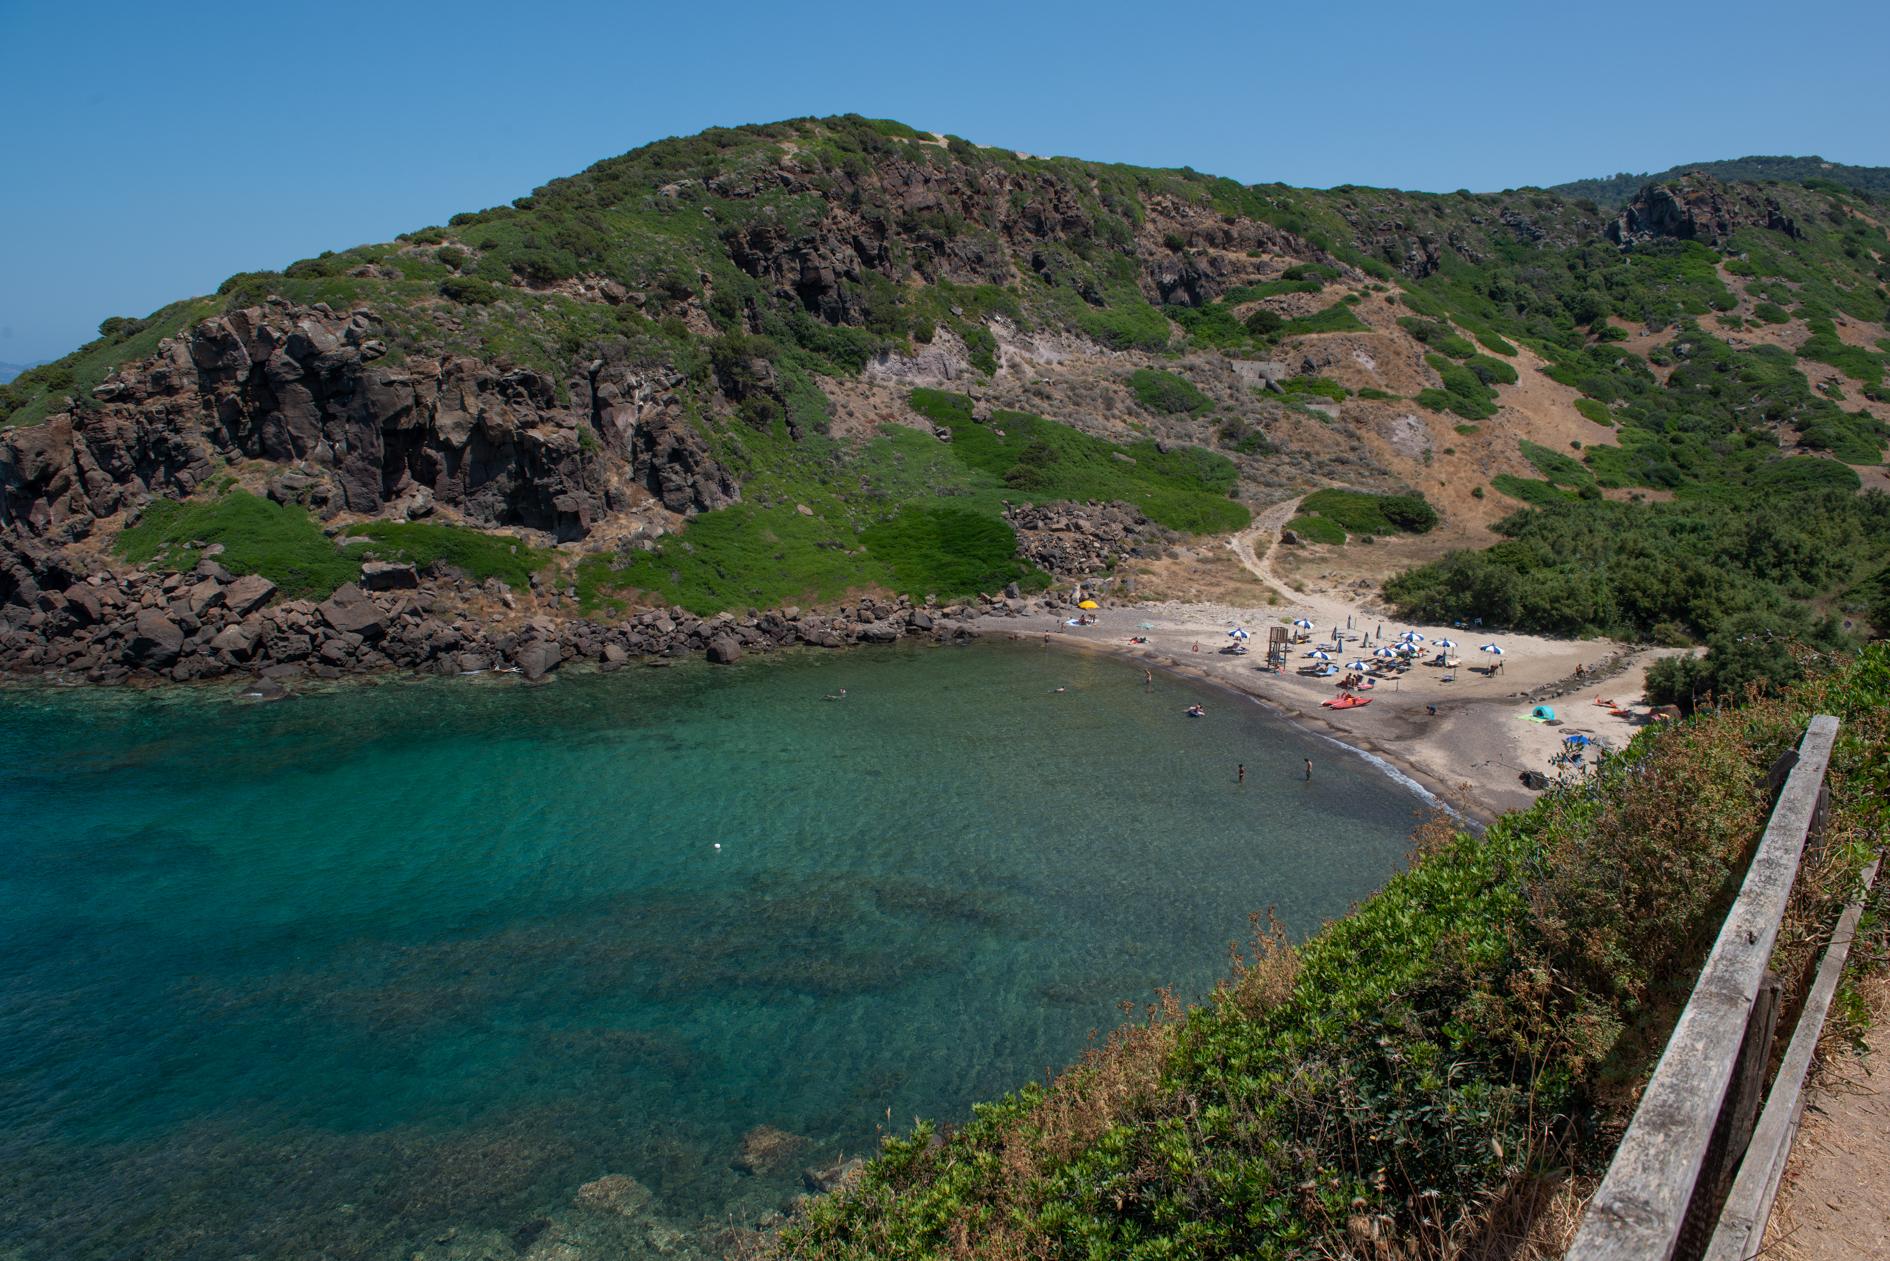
x=1309, y=770
x=1240, y=773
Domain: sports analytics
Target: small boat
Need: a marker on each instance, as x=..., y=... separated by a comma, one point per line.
x=1348, y=701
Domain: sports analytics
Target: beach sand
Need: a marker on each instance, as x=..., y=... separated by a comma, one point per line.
x=1471, y=754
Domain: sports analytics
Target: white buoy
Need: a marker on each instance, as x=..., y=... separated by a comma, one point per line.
x=718, y=845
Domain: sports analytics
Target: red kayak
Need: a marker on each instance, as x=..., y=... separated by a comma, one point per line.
x=1348, y=702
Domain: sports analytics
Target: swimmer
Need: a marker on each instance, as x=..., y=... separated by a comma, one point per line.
x=833, y=697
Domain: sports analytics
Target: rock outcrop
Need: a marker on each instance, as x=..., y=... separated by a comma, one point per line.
x=316, y=392
x=1696, y=208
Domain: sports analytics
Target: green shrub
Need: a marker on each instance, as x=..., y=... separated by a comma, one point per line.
x=1324, y=387
x=280, y=542
x=1313, y=528
x=1363, y=513
x=1337, y=318
x=1772, y=313
x=477, y=554
x=1595, y=411
x=1168, y=393
x=1264, y=323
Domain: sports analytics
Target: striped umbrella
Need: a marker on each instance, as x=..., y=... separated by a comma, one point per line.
x=1319, y=655
x=1302, y=623
x=1386, y=653
x=1360, y=664
x=1238, y=633
x=1491, y=648
x=1412, y=637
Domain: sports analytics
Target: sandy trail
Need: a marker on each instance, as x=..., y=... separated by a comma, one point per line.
x=1470, y=752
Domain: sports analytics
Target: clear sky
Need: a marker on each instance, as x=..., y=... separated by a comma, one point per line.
x=149, y=150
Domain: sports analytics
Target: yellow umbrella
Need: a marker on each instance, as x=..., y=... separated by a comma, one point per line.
x=1089, y=604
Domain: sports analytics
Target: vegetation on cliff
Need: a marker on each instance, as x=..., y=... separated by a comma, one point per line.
x=1420, y=1074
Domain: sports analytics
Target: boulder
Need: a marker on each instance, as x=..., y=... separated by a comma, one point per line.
x=826, y=1178
x=247, y=594
x=723, y=650
x=538, y=657
x=617, y=1193
x=350, y=612
x=765, y=1149
x=238, y=640
x=387, y=575
x=156, y=640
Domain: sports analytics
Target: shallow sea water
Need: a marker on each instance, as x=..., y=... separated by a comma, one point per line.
x=396, y=963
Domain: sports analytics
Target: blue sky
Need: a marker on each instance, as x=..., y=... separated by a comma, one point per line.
x=151, y=150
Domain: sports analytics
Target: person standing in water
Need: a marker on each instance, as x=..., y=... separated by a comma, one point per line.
x=1309, y=770
x=1240, y=773
x=1148, y=678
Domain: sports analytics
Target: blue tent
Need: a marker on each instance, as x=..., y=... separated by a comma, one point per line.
x=1542, y=711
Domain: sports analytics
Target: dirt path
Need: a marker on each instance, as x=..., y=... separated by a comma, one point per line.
x=1266, y=528
x=1834, y=1203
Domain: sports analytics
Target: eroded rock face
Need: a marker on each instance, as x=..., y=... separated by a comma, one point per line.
x=311, y=389
x=1696, y=208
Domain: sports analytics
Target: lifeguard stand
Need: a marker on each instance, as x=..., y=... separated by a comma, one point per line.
x=1276, y=647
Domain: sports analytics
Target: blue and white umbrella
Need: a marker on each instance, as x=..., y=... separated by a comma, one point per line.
x=1238, y=633
x=1302, y=623
x=1407, y=650
x=1444, y=643
x=1386, y=653
x=1491, y=648
x=1360, y=664
x=1412, y=637
x=1319, y=655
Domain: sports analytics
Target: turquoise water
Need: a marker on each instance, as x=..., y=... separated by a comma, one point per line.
x=336, y=975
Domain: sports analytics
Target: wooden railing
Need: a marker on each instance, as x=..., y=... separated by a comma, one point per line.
x=1666, y=1194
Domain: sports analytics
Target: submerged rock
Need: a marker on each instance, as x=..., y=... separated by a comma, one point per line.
x=617, y=1193
x=765, y=1149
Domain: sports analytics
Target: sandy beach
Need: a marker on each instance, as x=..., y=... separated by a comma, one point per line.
x=1471, y=753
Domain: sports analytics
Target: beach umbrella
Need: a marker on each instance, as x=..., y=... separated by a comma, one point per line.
x=1302, y=623
x=1238, y=633
x=1089, y=604
x=1444, y=643
x=1386, y=653
x=1412, y=637
x=1491, y=648
x=1360, y=664
x=1318, y=655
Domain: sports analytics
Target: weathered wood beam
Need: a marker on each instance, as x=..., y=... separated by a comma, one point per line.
x=1641, y=1205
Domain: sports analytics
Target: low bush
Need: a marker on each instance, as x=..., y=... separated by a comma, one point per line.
x=1168, y=393
x=1313, y=528
x=1363, y=513
x=1337, y=318
x=280, y=542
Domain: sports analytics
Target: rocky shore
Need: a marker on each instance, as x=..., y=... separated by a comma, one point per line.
x=110, y=627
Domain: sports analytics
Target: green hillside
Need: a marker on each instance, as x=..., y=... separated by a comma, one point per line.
x=761, y=264
x=1615, y=190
